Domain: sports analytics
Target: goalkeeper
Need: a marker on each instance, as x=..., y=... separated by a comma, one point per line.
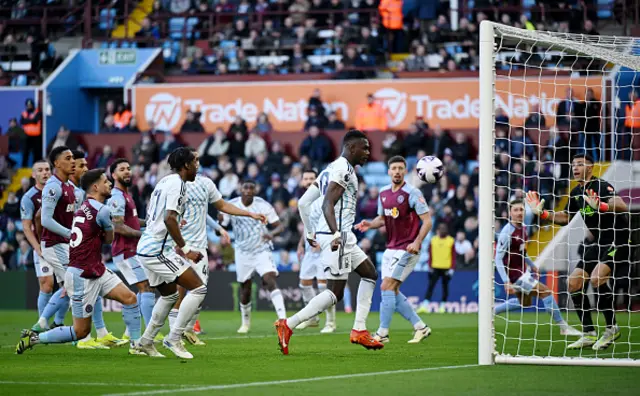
x=606, y=216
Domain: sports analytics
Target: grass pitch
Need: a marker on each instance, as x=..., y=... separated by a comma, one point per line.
x=318, y=364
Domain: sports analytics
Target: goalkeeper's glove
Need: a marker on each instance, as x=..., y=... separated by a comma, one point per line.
x=536, y=205
x=593, y=200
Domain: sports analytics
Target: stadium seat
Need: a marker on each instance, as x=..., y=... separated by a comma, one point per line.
x=192, y=22
x=104, y=45
x=125, y=44
x=527, y=5
x=378, y=168
x=19, y=81
x=604, y=8
x=113, y=44
x=107, y=17
x=176, y=28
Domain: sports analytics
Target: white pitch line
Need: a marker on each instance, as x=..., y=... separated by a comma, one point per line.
x=87, y=384
x=286, y=382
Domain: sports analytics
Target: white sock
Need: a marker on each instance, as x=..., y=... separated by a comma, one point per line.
x=382, y=332
x=42, y=322
x=188, y=308
x=278, y=303
x=160, y=312
x=126, y=332
x=245, y=312
x=102, y=332
x=87, y=338
x=331, y=311
x=308, y=292
x=192, y=322
x=173, y=315
x=316, y=306
x=419, y=325
x=365, y=293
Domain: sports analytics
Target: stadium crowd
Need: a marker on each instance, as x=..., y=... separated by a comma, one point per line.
x=349, y=39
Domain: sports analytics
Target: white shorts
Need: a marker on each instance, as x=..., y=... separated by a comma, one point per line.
x=339, y=264
x=84, y=292
x=248, y=263
x=57, y=257
x=164, y=268
x=131, y=269
x=525, y=283
x=202, y=266
x=42, y=267
x=311, y=266
x=398, y=264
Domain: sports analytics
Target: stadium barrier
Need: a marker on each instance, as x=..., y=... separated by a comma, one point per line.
x=450, y=103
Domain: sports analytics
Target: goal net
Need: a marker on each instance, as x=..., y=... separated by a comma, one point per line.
x=545, y=97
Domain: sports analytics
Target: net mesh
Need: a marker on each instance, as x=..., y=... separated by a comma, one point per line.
x=557, y=95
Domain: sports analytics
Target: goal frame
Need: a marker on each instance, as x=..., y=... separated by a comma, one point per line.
x=487, y=353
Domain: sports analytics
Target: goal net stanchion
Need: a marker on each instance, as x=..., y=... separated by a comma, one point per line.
x=523, y=72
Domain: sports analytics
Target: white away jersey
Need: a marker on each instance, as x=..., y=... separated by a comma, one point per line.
x=340, y=171
x=248, y=232
x=200, y=193
x=169, y=194
x=314, y=218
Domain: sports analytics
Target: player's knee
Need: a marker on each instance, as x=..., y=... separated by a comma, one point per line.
x=144, y=287
x=46, y=284
x=171, y=298
x=597, y=281
x=129, y=299
x=389, y=284
x=575, y=285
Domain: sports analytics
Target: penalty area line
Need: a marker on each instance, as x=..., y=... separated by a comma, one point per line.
x=286, y=382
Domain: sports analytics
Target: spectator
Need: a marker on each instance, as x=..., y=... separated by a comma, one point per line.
x=169, y=144
x=110, y=109
x=631, y=124
x=229, y=183
x=25, y=185
x=31, y=121
x=109, y=125
x=589, y=28
x=417, y=61
x=314, y=119
x=335, y=123
x=391, y=146
x=369, y=204
x=64, y=138
x=238, y=125
x=317, y=147
x=592, y=126
x=236, y=146
x=298, y=10
x=147, y=34
x=371, y=116
x=145, y=152
x=192, y=122
x=414, y=141
x=464, y=250
x=502, y=141
x=276, y=191
x=263, y=126
x=275, y=159
x=105, y=159
x=315, y=101
x=16, y=135
x=122, y=117
x=133, y=125
x=566, y=111
x=255, y=145
x=440, y=141
x=460, y=150
x=535, y=119
x=12, y=206
x=22, y=259
x=502, y=119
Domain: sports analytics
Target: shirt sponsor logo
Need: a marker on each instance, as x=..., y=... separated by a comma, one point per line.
x=392, y=212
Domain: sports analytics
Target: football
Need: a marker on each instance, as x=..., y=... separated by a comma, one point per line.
x=430, y=169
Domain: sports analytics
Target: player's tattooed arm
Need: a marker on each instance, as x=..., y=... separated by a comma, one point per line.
x=121, y=228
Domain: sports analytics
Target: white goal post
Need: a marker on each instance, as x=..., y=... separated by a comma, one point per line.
x=520, y=69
